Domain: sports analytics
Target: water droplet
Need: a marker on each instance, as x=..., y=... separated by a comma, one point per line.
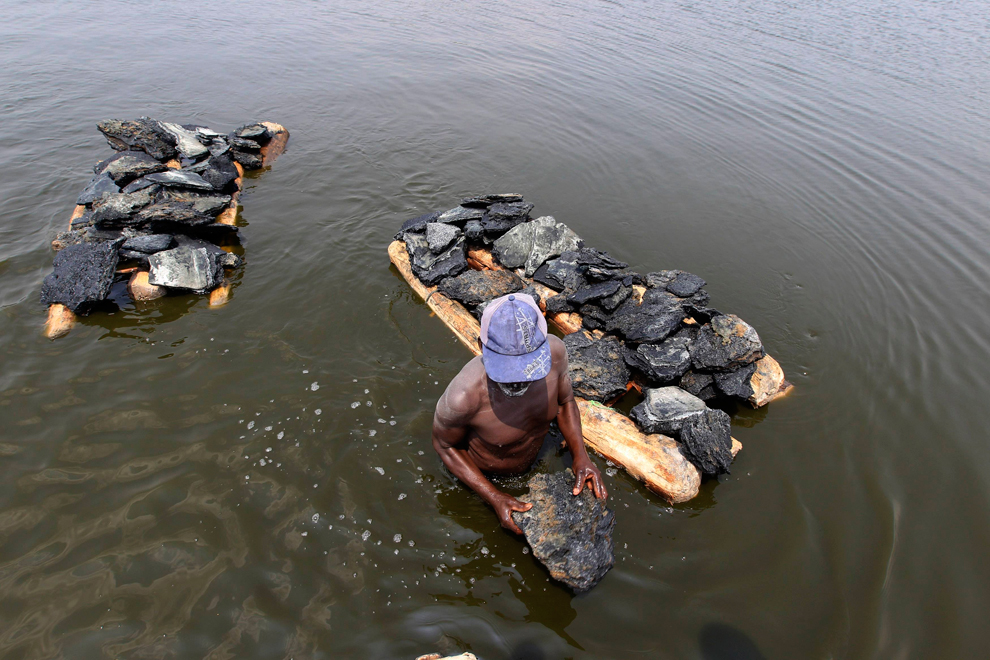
x=355, y=404
x=380, y=470
x=402, y=496
x=365, y=535
x=280, y=435
x=314, y=386
x=251, y=424
x=319, y=411
x=316, y=518
x=397, y=538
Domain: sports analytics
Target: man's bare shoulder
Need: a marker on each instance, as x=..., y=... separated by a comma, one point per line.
x=558, y=352
x=463, y=396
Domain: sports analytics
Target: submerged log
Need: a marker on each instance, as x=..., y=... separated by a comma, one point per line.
x=60, y=321
x=655, y=460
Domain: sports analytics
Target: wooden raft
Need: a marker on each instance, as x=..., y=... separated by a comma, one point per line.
x=61, y=319
x=653, y=459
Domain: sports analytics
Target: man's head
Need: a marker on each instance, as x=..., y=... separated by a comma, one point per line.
x=514, y=344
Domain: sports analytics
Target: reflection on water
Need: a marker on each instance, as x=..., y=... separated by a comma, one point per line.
x=257, y=480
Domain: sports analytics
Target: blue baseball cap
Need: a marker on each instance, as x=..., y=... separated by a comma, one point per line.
x=514, y=345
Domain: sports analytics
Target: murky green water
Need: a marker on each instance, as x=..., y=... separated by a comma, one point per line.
x=824, y=167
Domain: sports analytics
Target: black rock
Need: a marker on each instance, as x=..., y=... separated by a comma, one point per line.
x=474, y=231
x=706, y=441
x=699, y=384
x=180, y=179
x=256, y=132
x=149, y=243
x=597, y=369
x=594, y=292
x=612, y=302
x=685, y=284
x=247, y=159
x=599, y=259
x=220, y=173
x=736, y=383
x=593, y=317
x=439, y=236
x=185, y=267
x=85, y=220
x=701, y=313
x=661, y=363
x=134, y=255
x=101, y=185
x=599, y=274
x=561, y=273
x=129, y=165
x=141, y=184
x=208, y=204
x=473, y=287
x=530, y=244
x=119, y=209
x=82, y=276
x=725, y=344
x=646, y=323
x=459, y=215
x=73, y=236
x=500, y=218
x=484, y=201
x=431, y=268
x=665, y=410
x=142, y=134
x=243, y=144
x=187, y=142
x=531, y=291
x=172, y=213
x=570, y=535
x=559, y=304
x=416, y=225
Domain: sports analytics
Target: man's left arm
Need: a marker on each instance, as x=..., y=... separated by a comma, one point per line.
x=569, y=421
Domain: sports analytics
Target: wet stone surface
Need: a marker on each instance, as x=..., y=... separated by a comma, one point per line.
x=666, y=409
x=725, y=344
x=82, y=275
x=180, y=179
x=185, y=267
x=570, y=535
x=707, y=441
x=473, y=287
x=597, y=369
x=661, y=363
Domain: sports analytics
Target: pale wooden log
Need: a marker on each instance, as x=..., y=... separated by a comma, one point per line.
x=276, y=145
x=653, y=459
x=141, y=289
x=60, y=321
x=768, y=382
x=220, y=295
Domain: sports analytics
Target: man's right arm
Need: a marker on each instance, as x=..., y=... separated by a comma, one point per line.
x=450, y=433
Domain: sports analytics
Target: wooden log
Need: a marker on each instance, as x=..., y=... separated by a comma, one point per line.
x=653, y=459
x=220, y=295
x=141, y=289
x=276, y=145
x=60, y=321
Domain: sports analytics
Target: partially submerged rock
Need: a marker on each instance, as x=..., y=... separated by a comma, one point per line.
x=767, y=382
x=666, y=409
x=142, y=134
x=597, y=369
x=707, y=441
x=184, y=267
x=725, y=344
x=473, y=287
x=430, y=268
x=570, y=535
x=531, y=244
x=661, y=363
x=82, y=276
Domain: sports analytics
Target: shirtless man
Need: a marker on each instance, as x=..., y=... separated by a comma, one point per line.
x=496, y=412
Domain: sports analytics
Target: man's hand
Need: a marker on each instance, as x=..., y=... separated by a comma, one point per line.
x=504, y=505
x=586, y=472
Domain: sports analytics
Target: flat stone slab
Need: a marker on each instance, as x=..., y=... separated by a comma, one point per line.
x=484, y=201
x=473, y=287
x=82, y=275
x=185, y=267
x=562, y=274
x=101, y=185
x=149, y=244
x=570, y=535
x=119, y=209
x=597, y=369
x=430, y=268
x=180, y=179
x=725, y=344
x=186, y=142
x=459, y=215
x=531, y=244
x=439, y=236
x=142, y=134
x=646, y=323
x=666, y=409
x=501, y=217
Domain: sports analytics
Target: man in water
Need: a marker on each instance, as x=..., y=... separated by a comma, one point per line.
x=496, y=412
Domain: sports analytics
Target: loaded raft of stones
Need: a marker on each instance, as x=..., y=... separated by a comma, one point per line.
x=160, y=213
x=656, y=332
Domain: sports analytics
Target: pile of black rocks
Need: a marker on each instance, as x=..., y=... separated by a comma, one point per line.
x=154, y=205
x=656, y=328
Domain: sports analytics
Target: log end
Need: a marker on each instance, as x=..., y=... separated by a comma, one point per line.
x=141, y=289
x=60, y=321
x=220, y=295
